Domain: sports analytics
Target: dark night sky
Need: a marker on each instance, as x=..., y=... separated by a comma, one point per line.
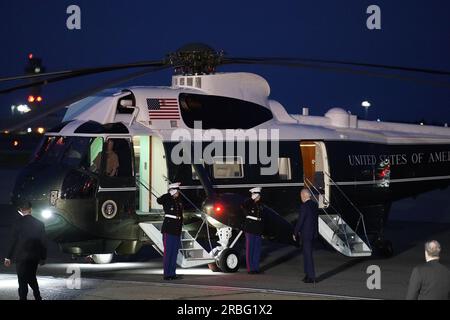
x=414, y=33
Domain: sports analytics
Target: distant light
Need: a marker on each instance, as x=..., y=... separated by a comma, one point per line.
x=218, y=208
x=366, y=104
x=6, y=132
x=421, y=123
x=446, y=125
x=30, y=56
x=39, y=99
x=16, y=143
x=40, y=130
x=37, y=70
x=29, y=130
x=46, y=214
x=378, y=120
x=23, y=108
x=31, y=99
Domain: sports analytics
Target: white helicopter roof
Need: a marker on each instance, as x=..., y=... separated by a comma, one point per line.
x=336, y=124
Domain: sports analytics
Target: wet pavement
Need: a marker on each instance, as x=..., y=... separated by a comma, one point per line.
x=339, y=277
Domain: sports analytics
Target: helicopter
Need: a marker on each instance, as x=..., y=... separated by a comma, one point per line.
x=355, y=169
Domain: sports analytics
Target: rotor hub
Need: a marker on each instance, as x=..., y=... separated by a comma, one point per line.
x=195, y=58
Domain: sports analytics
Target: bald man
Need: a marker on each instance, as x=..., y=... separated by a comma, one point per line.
x=431, y=280
x=307, y=229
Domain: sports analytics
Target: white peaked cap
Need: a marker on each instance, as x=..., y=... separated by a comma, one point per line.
x=175, y=185
x=255, y=190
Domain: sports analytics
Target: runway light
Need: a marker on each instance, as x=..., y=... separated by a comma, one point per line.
x=46, y=214
x=40, y=130
x=39, y=99
x=31, y=99
x=365, y=104
x=23, y=108
x=16, y=143
x=29, y=130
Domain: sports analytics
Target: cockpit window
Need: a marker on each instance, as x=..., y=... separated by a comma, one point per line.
x=79, y=152
x=217, y=112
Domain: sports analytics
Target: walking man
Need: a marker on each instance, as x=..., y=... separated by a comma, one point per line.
x=28, y=248
x=171, y=229
x=307, y=229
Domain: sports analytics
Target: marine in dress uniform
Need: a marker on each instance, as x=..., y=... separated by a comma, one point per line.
x=28, y=246
x=171, y=229
x=253, y=228
x=307, y=227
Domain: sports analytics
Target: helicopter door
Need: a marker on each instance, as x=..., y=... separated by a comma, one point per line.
x=117, y=188
x=316, y=174
x=151, y=172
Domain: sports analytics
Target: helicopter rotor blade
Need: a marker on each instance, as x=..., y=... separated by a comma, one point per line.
x=282, y=60
x=45, y=78
x=40, y=114
x=347, y=67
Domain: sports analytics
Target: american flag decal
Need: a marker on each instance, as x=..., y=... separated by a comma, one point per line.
x=163, y=109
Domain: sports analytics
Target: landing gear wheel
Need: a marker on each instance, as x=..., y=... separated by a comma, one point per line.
x=385, y=248
x=102, y=258
x=228, y=261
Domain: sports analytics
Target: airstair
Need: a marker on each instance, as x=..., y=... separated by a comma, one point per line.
x=332, y=227
x=191, y=253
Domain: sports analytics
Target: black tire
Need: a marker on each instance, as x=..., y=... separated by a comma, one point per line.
x=228, y=261
x=387, y=250
x=384, y=248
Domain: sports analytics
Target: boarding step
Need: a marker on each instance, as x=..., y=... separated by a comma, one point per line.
x=341, y=237
x=191, y=253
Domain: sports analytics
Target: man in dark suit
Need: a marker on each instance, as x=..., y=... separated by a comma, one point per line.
x=431, y=280
x=307, y=229
x=28, y=247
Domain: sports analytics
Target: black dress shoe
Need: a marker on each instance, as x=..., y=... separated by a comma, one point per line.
x=309, y=280
x=168, y=278
x=176, y=278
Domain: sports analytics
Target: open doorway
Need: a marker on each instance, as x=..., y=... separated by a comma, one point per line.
x=151, y=170
x=316, y=171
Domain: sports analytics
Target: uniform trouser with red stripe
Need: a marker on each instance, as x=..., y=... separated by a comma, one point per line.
x=253, y=251
x=171, y=247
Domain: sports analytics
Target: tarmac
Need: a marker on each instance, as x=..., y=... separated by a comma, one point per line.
x=140, y=276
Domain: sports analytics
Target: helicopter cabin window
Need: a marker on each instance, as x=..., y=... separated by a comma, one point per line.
x=228, y=168
x=284, y=168
x=217, y=112
x=95, y=154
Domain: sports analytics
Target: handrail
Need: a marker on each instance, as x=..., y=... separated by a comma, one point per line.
x=203, y=214
x=361, y=219
x=338, y=228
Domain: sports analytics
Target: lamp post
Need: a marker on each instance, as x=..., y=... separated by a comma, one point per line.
x=366, y=104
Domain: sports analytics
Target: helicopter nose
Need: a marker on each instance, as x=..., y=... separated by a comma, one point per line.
x=38, y=185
